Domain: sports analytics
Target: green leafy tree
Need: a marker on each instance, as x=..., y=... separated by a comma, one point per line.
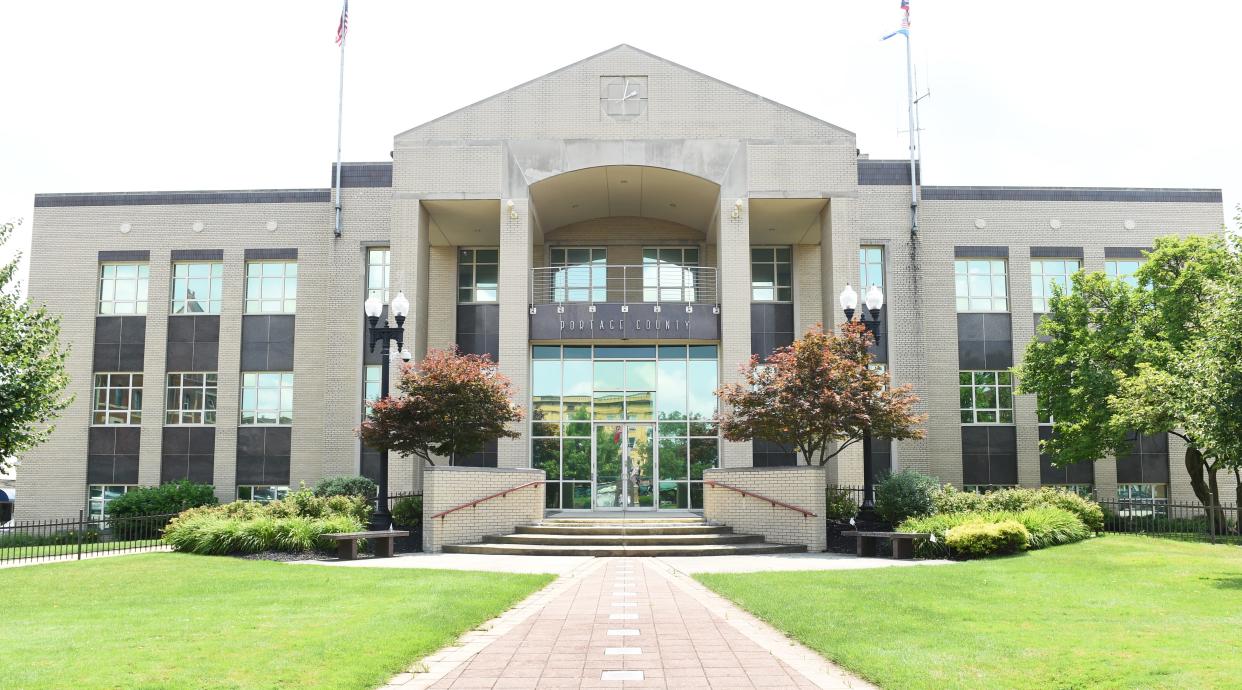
x=448, y=404
x=818, y=391
x=1162, y=357
x=32, y=365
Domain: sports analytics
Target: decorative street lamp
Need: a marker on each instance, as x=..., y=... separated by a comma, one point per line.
x=386, y=334
x=849, y=303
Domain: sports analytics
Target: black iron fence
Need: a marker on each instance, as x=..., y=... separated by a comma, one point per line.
x=1153, y=516
x=74, y=539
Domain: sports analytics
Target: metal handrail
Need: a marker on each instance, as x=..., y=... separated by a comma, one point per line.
x=624, y=283
x=773, y=501
x=476, y=502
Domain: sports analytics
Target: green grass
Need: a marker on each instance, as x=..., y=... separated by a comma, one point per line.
x=11, y=552
x=183, y=621
x=1112, y=612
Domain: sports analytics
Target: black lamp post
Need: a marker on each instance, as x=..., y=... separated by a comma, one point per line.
x=849, y=303
x=385, y=335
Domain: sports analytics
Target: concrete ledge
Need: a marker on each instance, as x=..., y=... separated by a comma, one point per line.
x=801, y=486
x=449, y=487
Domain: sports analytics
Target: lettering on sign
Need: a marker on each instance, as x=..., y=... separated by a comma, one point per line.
x=620, y=325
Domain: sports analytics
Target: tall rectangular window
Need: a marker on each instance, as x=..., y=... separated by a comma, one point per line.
x=379, y=260
x=99, y=496
x=271, y=287
x=986, y=397
x=123, y=288
x=267, y=397
x=370, y=386
x=191, y=398
x=981, y=285
x=197, y=287
x=581, y=275
x=1047, y=273
x=669, y=274
x=771, y=274
x=1123, y=270
x=870, y=268
x=118, y=400
x=478, y=275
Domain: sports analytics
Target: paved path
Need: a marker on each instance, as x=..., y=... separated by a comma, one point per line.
x=625, y=622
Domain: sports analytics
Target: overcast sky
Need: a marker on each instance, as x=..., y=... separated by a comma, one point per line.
x=128, y=96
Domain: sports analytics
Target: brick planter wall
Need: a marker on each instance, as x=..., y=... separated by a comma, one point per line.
x=449, y=487
x=798, y=486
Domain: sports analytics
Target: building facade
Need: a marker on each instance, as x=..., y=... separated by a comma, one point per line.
x=620, y=236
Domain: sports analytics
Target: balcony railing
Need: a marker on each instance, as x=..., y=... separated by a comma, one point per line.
x=626, y=284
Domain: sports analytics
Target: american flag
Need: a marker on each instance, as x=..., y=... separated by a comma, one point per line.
x=342, y=28
x=905, y=22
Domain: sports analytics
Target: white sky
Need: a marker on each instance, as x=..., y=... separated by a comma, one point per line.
x=128, y=96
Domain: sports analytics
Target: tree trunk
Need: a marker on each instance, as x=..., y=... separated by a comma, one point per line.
x=1217, y=520
x=1195, y=467
x=1237, y=475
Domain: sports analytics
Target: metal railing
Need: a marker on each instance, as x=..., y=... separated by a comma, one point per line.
x=775, y=503
x=477, y=501
x=74, y=539
x=625, y=284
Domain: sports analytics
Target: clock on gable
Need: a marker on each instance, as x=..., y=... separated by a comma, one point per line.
x=623, y=98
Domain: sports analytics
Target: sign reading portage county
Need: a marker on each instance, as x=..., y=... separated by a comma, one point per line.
x=612, y=321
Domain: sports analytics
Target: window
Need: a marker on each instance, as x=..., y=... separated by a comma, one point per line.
x=99, y=496
x=668, y=274
x=197, y=288
x=1142, y=500
x=1123, y=270
x=267, y=397
x=118, y=399
x=1084, y=490
x=261, y=494
x=771, y=275
x=123, y=288
x=191, y=398
x=370, y=386
x=984, y=488
x=981, y=285
x=870, y=267
x=477, y=271
x=582, y=274
x=986, y=397
x=379, y=263
x=271, y=287
x=1045, y=273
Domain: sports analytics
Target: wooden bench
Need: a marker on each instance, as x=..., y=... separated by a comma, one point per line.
x=347, y=542
x=903, y=542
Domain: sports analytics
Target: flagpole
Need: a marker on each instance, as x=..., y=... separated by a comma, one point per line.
x=340, y=113
x=914, y=188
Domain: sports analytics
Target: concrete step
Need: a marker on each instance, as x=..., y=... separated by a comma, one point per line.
x=684, y=550
x=626, y=521
x=647, y=528
x=626, y=540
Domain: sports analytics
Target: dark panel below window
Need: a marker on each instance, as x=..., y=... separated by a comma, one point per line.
x=193, y=342
x=478, y=329
x=112, y=454
x=267, y=342
x=1147, y=462
x=263, y=455
x=485, y=458
x=769, y=454
x=984, y=341
x=188, y=452
x=771, y=327
x=120, y=343
x=989, y=455
x=1077, y=473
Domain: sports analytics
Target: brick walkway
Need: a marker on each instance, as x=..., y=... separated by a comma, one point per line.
x=627, y=623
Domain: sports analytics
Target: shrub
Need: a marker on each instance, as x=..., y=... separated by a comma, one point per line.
x=977, y=539
x=946, y=499
x=143, y=511
x=839, y=504
x=295, y=524
x=1048, y=526
x=904, y=495
x=408, y=512
x=347, y=486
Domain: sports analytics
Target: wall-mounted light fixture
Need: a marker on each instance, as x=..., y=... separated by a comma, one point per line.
x=737, y=209
x=512, y=211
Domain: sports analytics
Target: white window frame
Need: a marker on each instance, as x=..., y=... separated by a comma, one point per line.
x=108, y=281
x=565, y=283
x=371, y=384
x=1112, y=269
x=379, y=272
x=281, y=387
x=484, y=295
x=212, y=303
x=209, y=389
x=967, y=302
x=869, y=270
x=288, y=298
x=246, y=492
x=776, y=287
x=670, y=281
x=975, y=385
x=102, y=500
x=1041, y=283
x=132, y=414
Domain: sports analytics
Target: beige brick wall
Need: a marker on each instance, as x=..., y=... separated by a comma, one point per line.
x=448, y=487
x=802, y=487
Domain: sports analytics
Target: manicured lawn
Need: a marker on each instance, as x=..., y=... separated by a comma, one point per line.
x=1111, y=612
x=184, y=621
x=14, y=552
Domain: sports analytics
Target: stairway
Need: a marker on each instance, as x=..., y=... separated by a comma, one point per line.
x=674, y=536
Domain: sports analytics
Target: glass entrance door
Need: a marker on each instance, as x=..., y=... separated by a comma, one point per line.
x=624, y=466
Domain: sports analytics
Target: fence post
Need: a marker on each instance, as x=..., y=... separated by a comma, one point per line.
x=81, y=526
x=1212, y=517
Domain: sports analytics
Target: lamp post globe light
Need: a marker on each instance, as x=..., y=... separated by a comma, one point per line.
x=874, y=301
x=386, y=335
